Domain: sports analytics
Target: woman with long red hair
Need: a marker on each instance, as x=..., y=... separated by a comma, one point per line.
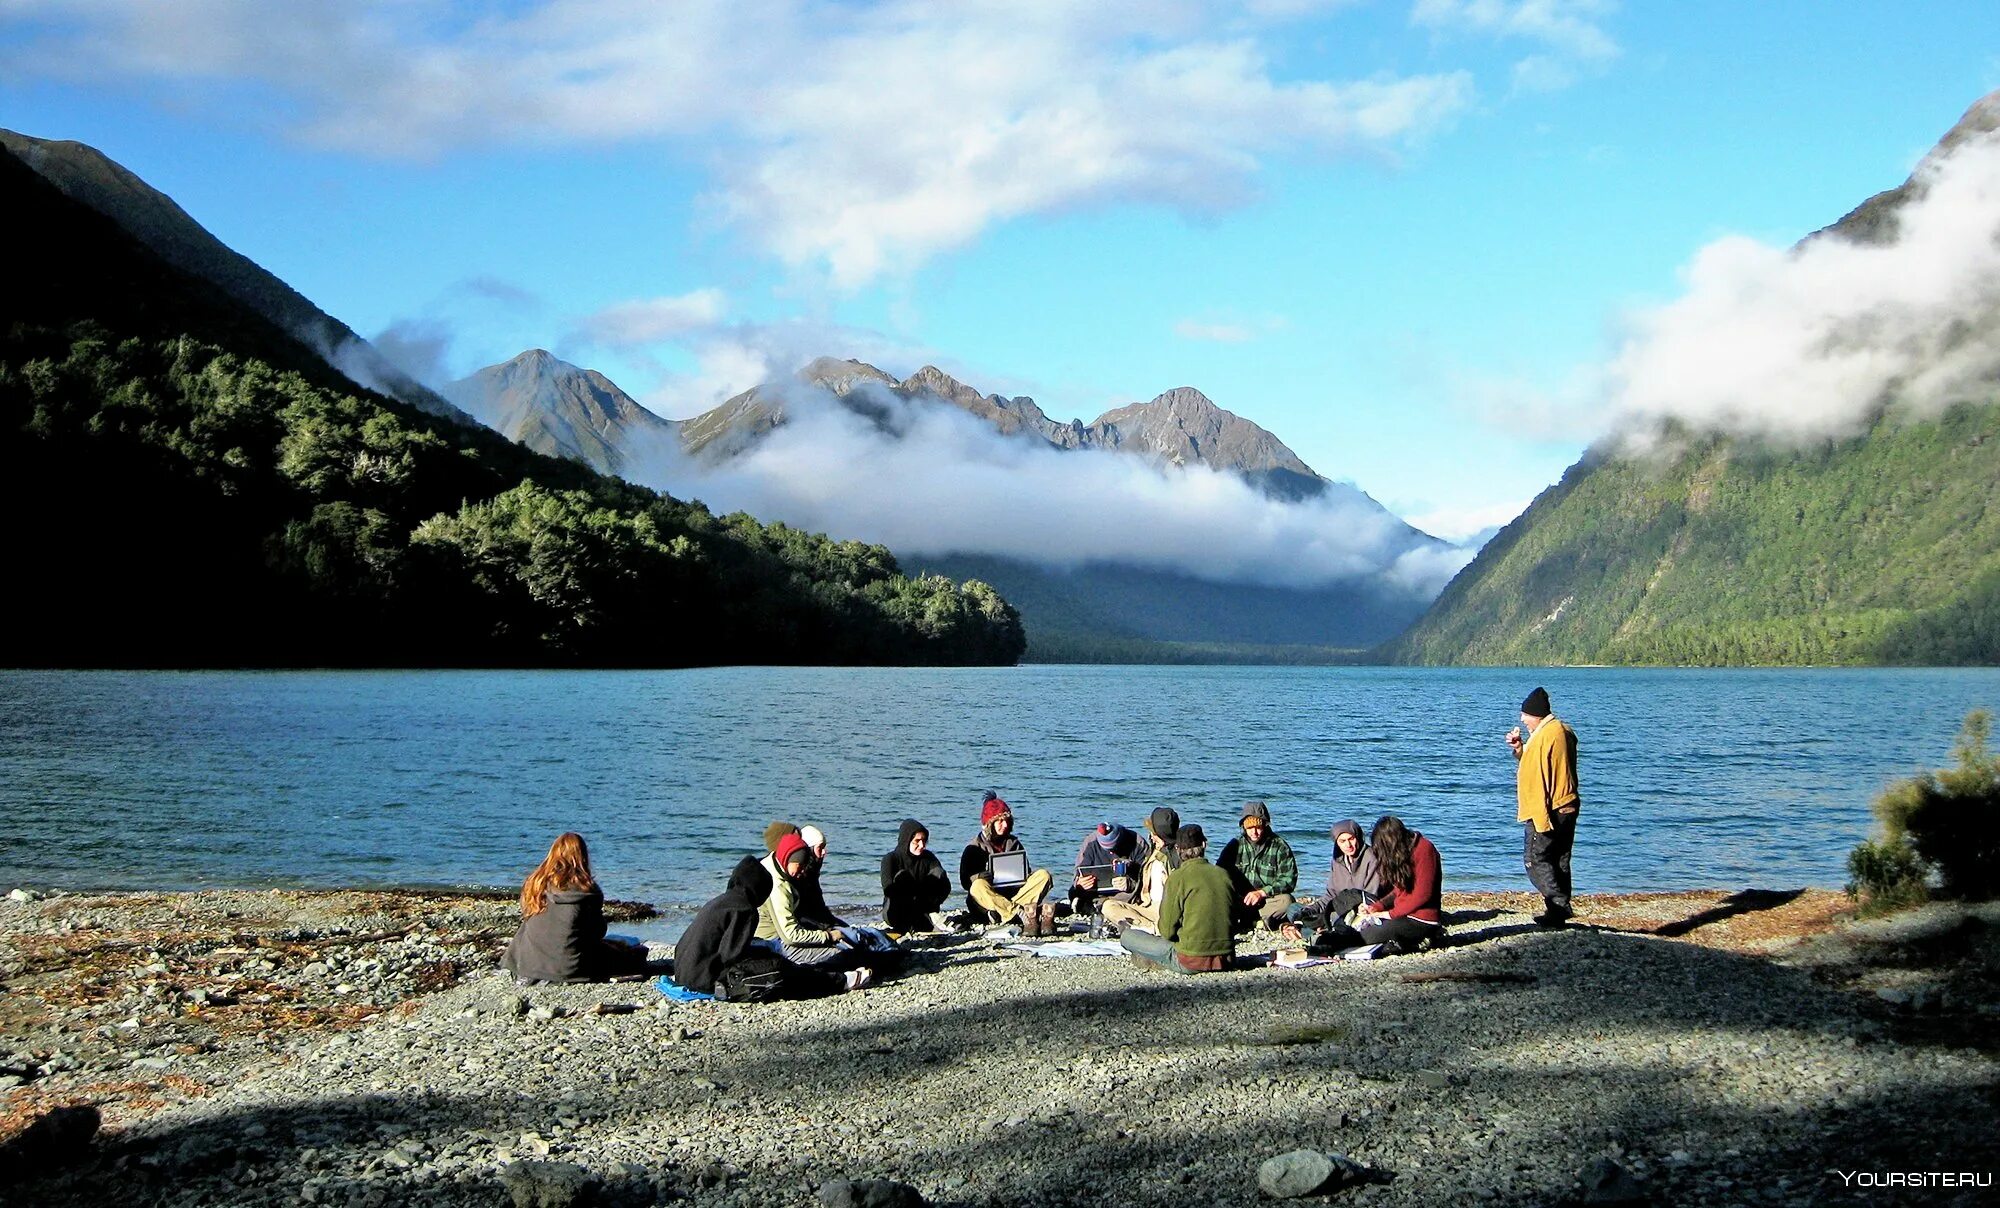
x=562, y=923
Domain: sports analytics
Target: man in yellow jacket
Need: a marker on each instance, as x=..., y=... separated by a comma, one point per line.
x=1545, y=790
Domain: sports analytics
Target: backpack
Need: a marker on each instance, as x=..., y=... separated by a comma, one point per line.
x=756, y=978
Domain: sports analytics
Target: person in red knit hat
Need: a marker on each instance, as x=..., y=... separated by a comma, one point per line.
x=992, y=898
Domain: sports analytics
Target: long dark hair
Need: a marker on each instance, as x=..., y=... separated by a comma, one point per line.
x=1393, y=842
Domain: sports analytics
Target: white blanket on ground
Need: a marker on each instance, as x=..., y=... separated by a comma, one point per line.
x=1064, y=948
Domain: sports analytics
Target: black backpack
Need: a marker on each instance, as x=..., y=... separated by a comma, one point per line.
x=757, y=978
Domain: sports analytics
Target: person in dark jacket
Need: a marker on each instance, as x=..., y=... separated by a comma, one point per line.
x=1107, y=845
x=562, y=923
x=914, y=884
x=991, y=904
x=721, y=945
x=813, y=910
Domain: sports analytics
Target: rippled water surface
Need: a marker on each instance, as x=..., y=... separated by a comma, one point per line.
x=169, y=780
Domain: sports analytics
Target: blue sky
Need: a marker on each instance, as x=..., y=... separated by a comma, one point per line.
x=1389, y=232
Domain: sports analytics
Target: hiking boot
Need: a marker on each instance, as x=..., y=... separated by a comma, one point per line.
x=1552, y=918
x=857, y=978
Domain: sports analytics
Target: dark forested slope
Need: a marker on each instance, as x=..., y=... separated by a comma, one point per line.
x=190, y=485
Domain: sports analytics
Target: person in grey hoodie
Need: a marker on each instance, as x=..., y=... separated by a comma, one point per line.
x=1353, y=880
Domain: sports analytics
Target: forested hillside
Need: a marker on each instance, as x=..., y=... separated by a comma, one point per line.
x=190, y=486
x=1884, y=548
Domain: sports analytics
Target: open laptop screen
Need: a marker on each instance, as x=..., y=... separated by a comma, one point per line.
x=1010, y=868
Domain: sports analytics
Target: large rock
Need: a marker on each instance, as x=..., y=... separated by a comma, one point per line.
x=870, y=1193
x=548, y=1184
x=1308, y=1172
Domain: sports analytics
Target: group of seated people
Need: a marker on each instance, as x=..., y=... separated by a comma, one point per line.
x=770, y=933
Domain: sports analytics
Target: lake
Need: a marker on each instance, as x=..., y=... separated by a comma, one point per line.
x=142, y=780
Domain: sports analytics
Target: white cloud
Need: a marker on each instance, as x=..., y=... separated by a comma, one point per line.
x=1571, y=26
x=855, y=140
x=1215, y=333
x=1571, y=33
x=652, y=320
x=944, y=482
x=1459, y=524
x=1805, y=343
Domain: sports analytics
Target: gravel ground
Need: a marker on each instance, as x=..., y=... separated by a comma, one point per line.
x=1713, y=1075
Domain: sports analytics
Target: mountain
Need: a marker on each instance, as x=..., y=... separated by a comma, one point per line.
x=87, y=175
x=1094, y=611
x=194, y=486
x=1881, y=548
x=556, y=408
x=1181, y=427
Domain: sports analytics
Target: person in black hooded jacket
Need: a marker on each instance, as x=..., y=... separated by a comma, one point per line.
x=723, y=936
x=914, y=884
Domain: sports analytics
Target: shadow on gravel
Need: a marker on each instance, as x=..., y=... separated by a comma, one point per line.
x=1748, y=901
x=1157, y=1089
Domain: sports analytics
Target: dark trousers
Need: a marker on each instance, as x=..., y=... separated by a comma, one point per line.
x=1546, y=855
x=1406, y=933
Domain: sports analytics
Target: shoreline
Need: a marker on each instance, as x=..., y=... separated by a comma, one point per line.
x=179, y=1014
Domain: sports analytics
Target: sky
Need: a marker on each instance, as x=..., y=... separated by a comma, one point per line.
x=1436, y=246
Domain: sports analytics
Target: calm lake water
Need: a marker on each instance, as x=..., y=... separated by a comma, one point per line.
x=175, y=780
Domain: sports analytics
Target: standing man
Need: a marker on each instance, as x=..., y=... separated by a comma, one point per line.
x=1545, y=792
x=1263, y=867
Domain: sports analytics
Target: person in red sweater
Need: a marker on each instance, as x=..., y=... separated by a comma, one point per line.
x=1407, y=915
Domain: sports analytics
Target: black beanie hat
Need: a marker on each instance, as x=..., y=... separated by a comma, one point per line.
x=1537, y=704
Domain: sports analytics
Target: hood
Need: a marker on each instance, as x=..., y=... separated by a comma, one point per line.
x=910, y=829
x=749, y=883
x=1346, y=826
x=1259, y=811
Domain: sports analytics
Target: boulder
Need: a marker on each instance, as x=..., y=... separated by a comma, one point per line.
x=870, y=1193
x=1309, y=1172
x=548, y=1184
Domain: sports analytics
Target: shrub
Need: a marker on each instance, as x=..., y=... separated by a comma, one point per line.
x=1946, y=821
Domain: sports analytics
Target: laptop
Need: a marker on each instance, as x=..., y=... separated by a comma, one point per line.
x=1010, y=868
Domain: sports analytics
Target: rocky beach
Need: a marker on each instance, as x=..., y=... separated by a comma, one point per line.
x=361, y=1048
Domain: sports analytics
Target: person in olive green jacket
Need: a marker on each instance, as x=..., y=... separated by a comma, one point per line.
x=1194, y=936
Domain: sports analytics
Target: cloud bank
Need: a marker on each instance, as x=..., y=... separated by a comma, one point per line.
x=853, y=140
x=1803, y=344
x=929, y=479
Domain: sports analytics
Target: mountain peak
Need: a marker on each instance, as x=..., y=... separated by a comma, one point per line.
x=1186, y=400
x=842, y=375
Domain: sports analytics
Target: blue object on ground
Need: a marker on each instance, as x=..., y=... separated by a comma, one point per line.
x=680, y=993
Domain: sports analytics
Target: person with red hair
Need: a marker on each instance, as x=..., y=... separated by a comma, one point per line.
x=995, y=902
x=562, y=923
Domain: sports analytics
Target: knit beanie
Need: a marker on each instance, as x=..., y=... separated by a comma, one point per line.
x=789, y=846
x=1537, y=704
x=994, y=808
x=777, y=831
x=812, y=835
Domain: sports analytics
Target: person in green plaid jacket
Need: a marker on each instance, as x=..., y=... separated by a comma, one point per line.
x=1264, y=869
